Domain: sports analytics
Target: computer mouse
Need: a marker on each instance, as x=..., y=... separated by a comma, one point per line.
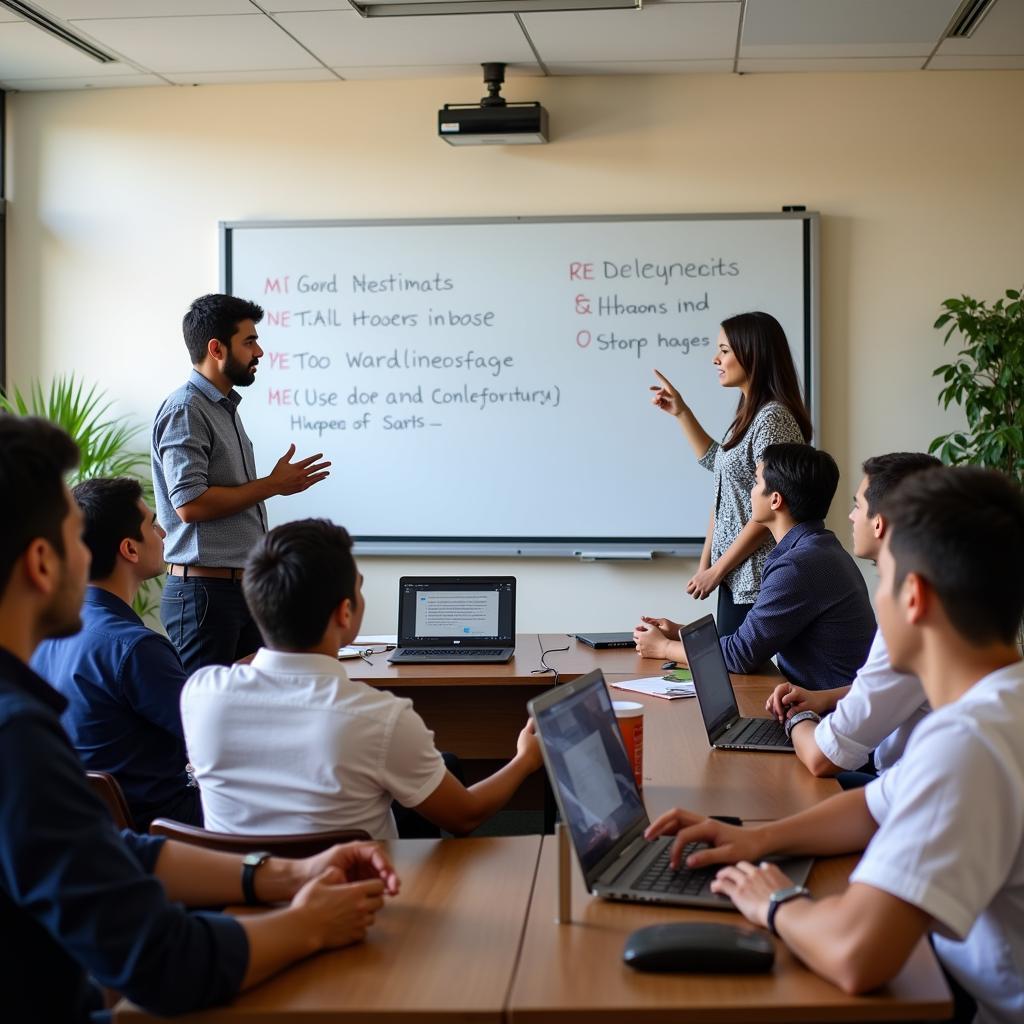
x=699, y=948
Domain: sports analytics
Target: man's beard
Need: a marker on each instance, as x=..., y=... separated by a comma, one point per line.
x=64, y=615
x=240, y=374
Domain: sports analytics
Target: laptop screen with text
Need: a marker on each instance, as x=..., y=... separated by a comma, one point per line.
x=457, y=610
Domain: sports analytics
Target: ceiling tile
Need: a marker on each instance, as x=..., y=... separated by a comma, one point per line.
x=250, y=77
x=963, y=62
x=29, y=52
x=216, y=43
x=841, y=28
x=344, y=39
x=57, y=84
x=747, y=65
x=474, y=90
x=658, y=32
x=1000, y=32
x=83, y=9
x=639, y=67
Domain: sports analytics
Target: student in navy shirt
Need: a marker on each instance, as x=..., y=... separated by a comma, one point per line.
x=812, y=613
x=78, y=901
x=122, y=681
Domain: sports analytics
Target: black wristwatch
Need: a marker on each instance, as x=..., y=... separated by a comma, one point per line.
x=781, y=896
x=250, y=862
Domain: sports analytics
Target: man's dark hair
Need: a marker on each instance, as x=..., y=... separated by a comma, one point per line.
x=962, y=530
x=806, y=477
x=215, y=316
x=884, y=472
x=34, y=456
x=110, y=506
x=295, y=578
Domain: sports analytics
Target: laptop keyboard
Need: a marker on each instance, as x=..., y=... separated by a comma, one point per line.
x=659, y=877
x=459, y=652
x=765, y=732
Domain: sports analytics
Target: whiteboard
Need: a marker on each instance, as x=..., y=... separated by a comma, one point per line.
x=481, y=386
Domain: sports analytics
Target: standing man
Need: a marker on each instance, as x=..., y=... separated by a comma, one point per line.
x=208, y=496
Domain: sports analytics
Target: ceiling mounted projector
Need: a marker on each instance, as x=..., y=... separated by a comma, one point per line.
x=493, y=121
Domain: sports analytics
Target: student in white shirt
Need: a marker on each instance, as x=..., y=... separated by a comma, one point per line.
x=288, y=743
x=880, y=708
x=942, y=831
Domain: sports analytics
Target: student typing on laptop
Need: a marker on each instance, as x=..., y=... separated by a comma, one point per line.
x=943, y=830
x=289, y=743
x=881, y=707
x=813, y=610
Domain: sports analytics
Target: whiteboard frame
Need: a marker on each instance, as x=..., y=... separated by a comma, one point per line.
x=593, y=548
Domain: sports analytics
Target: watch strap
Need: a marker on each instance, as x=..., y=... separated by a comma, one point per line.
x=781, y=897
x=801, y=716
x=250, y=863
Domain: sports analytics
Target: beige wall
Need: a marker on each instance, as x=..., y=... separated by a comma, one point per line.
x=115, y=197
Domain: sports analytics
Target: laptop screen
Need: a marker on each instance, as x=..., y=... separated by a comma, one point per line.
x=710, y=676
x=457, y=610
x=587, y=763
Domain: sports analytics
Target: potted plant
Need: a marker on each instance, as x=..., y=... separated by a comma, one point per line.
x=986, y=379
x=105, y=443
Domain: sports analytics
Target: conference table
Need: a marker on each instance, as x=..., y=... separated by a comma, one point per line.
x=472, y=936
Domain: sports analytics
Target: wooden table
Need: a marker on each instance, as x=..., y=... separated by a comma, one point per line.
x=443, y=950
x=573, y=974
x=476, y=711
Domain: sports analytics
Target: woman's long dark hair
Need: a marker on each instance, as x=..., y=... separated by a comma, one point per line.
x=759, y=344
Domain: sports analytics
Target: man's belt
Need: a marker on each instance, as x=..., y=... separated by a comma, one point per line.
x=206, y=572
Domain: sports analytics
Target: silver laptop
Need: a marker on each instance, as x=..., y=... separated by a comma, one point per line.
x=599, y=801
x=726, y=729
x=455, y=619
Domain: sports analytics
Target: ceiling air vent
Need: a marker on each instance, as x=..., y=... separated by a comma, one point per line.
x=65, y=35
x=968, y=18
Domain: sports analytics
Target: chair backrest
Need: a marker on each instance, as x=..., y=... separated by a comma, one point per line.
x=279, y=846
x=107, y=788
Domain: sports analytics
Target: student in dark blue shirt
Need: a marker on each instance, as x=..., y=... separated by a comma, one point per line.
x=812, y=613
x=78, y=900
x=121, y=680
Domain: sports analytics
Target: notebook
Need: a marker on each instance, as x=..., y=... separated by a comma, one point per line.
x=725, y=728
x=599, y=802
x=455, y=619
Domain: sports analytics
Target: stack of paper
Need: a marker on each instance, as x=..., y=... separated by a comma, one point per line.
x=658, y=686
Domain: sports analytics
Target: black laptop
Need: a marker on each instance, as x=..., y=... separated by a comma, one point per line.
x=455, y=619
x=726, y=729
x=598, y=800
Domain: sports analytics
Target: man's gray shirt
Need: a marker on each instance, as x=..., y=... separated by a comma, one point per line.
x=199, y=442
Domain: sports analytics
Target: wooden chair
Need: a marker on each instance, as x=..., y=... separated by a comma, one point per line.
x=107, y=788
x=279, y=846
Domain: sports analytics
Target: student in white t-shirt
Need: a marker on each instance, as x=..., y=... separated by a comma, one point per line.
x=943, y=830
x=288, y=743
x=880, y=708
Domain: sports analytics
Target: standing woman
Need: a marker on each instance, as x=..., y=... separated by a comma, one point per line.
x=752, y=354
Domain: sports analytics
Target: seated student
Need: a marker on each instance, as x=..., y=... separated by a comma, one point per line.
x=289, y=743
x=813, y=609
x=944, y=828
x=880, y=708
x=78, y=901
x=123, y=681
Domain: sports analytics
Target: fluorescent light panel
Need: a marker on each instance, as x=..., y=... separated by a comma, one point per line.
x=420, y=8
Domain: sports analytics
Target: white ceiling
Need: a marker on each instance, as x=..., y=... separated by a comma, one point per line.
x=188, y=42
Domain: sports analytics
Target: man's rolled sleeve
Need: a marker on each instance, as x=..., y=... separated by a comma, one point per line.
x=182, y=443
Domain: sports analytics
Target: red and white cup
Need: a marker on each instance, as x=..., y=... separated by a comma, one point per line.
x=630, y=716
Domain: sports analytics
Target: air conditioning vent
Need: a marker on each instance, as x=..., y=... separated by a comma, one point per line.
x=969, y=17
x=65, y=35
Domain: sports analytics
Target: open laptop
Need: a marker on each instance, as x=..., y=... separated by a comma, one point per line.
x=598, y=800
x=726, y=729
x=455, y=619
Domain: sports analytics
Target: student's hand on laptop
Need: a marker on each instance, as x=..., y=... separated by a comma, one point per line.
x=726, y=844
x=750, y=888
x=338, y=913
x=786, y=700
x=528, y=747
x=650, y=638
